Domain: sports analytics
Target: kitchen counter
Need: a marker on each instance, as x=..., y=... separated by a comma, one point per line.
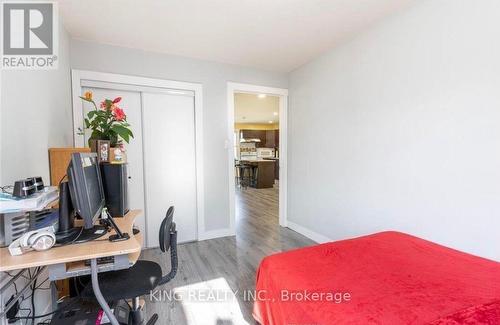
x=258, y=160
x=276, y=166
x=265, y=171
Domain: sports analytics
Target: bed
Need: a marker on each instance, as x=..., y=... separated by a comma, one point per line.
x=384, y=278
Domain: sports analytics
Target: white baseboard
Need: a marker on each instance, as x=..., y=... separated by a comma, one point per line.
x=211, y=234
x=319, y=238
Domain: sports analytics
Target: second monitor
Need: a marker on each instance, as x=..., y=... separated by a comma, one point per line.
x=87, y=194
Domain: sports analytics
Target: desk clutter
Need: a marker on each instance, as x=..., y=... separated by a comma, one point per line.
x=24, y=223
x=89, y=233
x=82, y=216
x=92, y=192
x=26, y=196
x=115, y=262
x=27, y=187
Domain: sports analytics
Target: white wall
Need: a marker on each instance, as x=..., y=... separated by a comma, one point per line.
x=35, y=115
x=213, y=76
x=400, y=129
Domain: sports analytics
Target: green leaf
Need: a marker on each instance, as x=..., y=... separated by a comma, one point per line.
x=100, y=114
x=128, y=130
x=122, y=131
x=126, y=138
x=96, y=134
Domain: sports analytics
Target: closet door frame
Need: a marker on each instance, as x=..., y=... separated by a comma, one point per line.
x=79, y=78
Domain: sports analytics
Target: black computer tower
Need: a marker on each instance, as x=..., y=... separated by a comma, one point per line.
x=114, y=181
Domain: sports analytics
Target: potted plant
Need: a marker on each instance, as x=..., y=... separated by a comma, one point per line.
x=108, y=122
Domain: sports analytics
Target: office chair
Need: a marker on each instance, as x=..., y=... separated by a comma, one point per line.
x=141, y=278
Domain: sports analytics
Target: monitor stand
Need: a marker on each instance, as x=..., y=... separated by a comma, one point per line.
x=119, y=236
x=68, y=236
x=91, y=234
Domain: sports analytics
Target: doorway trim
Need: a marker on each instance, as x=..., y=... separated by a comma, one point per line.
x=282, y=93
x=138, y=83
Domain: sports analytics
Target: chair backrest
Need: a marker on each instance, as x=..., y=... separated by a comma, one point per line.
x=167, y=228
x=168, y=241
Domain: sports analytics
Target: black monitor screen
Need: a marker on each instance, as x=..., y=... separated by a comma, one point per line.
x=85, y=185
x=93, y=187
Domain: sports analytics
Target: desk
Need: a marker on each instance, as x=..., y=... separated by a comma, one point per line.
x=68, y=261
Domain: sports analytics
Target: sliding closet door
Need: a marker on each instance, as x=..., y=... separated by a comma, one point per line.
x=169, y=163
x=131, y=104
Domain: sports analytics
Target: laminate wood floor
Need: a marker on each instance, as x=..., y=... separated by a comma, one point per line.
x=216, y=277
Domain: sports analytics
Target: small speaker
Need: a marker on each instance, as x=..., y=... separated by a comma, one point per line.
x=38, y=183
x=115, y=181
x=24, y=188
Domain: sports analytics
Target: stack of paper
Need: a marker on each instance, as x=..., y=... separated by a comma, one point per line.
x=35, y=202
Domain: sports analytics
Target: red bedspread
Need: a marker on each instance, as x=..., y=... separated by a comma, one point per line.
x=384, y=278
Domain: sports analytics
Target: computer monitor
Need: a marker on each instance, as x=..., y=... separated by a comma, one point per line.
x=85, y=185
x=87, y=195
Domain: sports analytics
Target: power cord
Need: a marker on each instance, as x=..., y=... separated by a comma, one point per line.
x=7, y=189
x=60, y=181
x=47, y=314
x=18, y=307
x=33, y=289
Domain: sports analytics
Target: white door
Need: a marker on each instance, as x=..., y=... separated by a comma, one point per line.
x=131, y=104
x=169, y=163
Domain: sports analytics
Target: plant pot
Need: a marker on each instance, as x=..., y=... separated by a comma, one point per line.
x=93, y=144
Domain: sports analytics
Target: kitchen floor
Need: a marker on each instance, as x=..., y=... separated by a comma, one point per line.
x=216, y=276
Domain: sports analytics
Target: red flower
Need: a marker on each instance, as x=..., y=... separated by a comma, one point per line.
x=119, y=114
x=117, y=100
x=103, y=105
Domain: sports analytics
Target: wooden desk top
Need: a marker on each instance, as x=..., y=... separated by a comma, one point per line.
x=78, y=252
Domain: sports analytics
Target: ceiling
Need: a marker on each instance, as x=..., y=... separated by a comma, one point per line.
x=277, y=35
x=250, y=108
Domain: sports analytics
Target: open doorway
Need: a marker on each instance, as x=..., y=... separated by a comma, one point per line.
x=257, y=131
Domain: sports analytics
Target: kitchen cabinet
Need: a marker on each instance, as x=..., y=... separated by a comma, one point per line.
x=277, y=169
x=272, y=139
x=268, y=138
x=255, y=134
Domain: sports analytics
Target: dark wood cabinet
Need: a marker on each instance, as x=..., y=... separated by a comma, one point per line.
x=250, y=134
x=255, y=134
x=270, y=141
x=268, y=138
